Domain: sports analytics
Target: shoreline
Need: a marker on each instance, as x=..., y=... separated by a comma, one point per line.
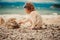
x=47, y=19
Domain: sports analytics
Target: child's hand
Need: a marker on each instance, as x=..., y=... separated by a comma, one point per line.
x=30, y=28
x=21, y=21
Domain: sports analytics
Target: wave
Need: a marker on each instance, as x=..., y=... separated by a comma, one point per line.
x=15, y=4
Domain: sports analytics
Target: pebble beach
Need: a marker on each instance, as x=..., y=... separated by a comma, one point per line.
x=49, y=31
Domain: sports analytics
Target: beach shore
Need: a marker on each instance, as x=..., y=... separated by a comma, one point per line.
x=50, y=30
x=48, y=19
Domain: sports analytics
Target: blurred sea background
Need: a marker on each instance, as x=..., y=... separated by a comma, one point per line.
x=43, y=7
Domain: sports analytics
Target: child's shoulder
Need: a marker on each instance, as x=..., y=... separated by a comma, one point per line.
x=34, y=13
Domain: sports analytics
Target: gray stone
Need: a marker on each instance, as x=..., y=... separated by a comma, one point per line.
x=51, y=32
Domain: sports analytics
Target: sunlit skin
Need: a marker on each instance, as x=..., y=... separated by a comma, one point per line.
x=23, y=21
x=27, y=11
x=1, y=21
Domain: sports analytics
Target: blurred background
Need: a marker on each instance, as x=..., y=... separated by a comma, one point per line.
x=44, y=7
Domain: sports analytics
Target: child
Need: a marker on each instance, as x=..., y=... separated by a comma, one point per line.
x=2, y=21
x=12, y=24
x=32, y=16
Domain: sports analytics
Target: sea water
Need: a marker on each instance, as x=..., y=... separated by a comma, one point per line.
x=17, y=8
